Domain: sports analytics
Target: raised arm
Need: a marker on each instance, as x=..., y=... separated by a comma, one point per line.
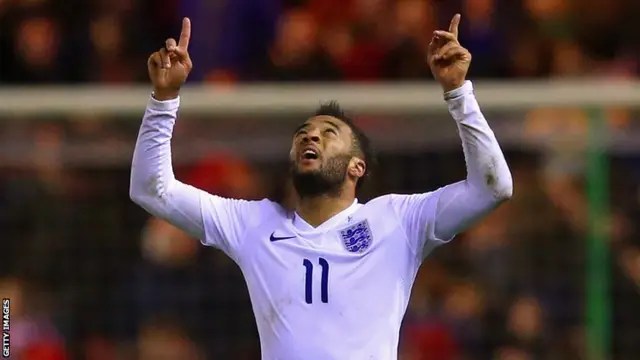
x=488, y=182
x=153, y=185
x=433, y=218
x=214, y=220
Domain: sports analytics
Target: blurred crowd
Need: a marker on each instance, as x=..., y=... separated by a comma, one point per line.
x=50, y=41
x=91, y=276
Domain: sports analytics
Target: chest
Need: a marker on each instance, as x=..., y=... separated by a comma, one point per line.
x=335, y=265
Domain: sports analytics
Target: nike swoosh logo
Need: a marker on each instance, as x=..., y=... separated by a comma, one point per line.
x=278, y=238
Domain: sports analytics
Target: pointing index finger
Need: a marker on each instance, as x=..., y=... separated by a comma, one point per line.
x=453, y=27
x=185, y=34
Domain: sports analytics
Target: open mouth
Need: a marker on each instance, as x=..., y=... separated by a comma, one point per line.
x=310, y=154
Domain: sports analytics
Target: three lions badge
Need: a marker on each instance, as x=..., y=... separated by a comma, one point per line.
x=357, y=237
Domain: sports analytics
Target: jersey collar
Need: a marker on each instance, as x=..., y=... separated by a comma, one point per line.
x=301, y=226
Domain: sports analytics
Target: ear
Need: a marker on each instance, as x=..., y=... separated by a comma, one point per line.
x=292, y=154
x=357, y=168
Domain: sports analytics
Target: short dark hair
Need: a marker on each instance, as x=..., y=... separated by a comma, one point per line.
x=361, y=143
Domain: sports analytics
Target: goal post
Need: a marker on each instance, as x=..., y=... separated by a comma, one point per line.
x=277, y=99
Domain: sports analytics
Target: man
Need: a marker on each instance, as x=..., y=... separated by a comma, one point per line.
x=330, y=280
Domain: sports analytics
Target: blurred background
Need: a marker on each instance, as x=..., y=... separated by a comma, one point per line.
x=553, y=274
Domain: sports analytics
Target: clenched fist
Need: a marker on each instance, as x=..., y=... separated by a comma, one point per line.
x=448, y=60
x=170, y=66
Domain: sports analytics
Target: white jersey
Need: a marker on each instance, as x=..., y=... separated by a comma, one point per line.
x=338, y=291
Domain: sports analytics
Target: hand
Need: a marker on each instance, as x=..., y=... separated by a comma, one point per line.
x=170, y=66
x=448, y=60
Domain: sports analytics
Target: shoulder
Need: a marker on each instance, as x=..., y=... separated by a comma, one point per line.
x=227, y=221
x=380, y=207
x=389, y=201
x=272, y=209
x=264, y=208
x=395, y=200
x=402, y=204
x=266, y=211
x=244, y=212
x=380, y=201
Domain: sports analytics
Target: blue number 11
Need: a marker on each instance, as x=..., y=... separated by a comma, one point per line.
x=324, y=280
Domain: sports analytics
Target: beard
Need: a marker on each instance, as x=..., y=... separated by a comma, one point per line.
x=326, y=180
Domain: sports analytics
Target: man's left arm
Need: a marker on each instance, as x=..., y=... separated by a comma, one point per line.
x=488, y=182
x=433, y=218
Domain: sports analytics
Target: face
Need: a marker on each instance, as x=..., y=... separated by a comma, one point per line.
x=322, y=157
x=38, y=40
x=297, y=33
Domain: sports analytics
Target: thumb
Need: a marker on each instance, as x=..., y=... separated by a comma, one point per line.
x=155, y=63
x=157, y=72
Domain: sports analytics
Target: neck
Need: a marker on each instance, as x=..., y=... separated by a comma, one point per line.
x=318, y=209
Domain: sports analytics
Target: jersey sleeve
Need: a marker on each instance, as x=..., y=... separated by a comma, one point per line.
x=417, y=214
x=214, y=220
x=226, y=220
x=433, y=218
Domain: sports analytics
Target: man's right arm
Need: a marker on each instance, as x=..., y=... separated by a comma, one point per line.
x=214, y=220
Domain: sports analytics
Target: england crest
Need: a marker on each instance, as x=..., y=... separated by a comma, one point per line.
x=357, y=237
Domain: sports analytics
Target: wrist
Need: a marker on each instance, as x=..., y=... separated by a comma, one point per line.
x=165, y=94
x=465, y=89
x=453, y=86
